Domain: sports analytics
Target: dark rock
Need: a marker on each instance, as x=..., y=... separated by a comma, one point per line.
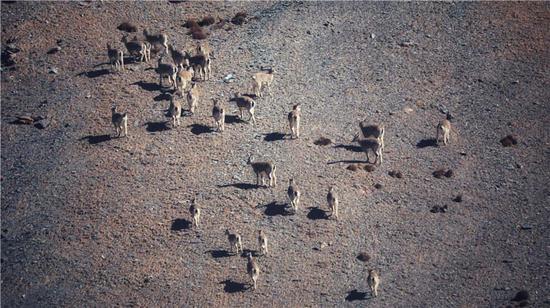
x=322, y=141
x=521, y=296
x=369, y=168
x=509, y=141
x=42, y=124
x=363, y=256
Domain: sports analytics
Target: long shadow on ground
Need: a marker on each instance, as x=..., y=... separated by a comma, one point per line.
x=147, y=86
x=316, y=213
x=96, y=139
x=232, y=286
x=154, y=127
x=233, y=119
x=245, y=186
x=354, y=295
x=274, y=137
x=274, y=209
x=180, y=224
x=424, y=143
x=219, y=254
x=349, y=147
x=198, y=129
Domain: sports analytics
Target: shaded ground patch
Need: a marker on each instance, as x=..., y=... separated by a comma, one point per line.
x=233, y=286
x=244, y=186
x=154, y=127
x=274, y=209
x=316, y=213
x=180, y=224
x=355, y=295
x=424, y=143
x=199, y=129
x=96, y=139
x=274, y=137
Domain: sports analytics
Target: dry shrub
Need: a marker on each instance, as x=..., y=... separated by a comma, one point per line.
x=396, y=174
x=439, y=173
x=322, y=141
x=363, y=257
x=439, y=209
x=458, y=198
x=369, y=168
x=127, y=26
x=207, y=21
x=198, y=33
x=509, y=141
x=378, y=186
x=191, y=23
x=352, y=167
x=239, y=18
x=219, y=25
x=449, y=173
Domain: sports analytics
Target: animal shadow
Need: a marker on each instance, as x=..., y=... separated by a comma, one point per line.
x=219, y=253
x=180, y=224
x=232, y=286
x=198, y=129
x=233, y=119
x=274, y=137
x=154, y=127
x=130, y=60
x=274, y=209
x=354, y=295
x=245, y=253
x=245, y=186
x=349, y=147
x=162, y=97
x=96, y=73
x=430, y=142
x=316, y=213
x=147, y=86
x=345, y=162
x=96, y=139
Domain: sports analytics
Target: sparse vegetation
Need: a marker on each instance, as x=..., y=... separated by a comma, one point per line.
x=369, y=168
x=207, y=21
x=239, y=18
x=509, y=141
x=128, y=27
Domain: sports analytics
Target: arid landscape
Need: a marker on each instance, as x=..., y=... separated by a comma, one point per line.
x=88, y=219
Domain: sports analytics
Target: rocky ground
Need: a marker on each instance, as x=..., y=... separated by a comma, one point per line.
x=90, y=219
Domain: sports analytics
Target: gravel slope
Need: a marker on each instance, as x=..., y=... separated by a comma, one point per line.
x=88, y=219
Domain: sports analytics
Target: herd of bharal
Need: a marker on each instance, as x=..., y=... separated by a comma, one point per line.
x=190, y=66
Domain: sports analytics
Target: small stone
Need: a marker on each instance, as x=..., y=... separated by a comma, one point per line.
x=372, y=36
x=408, y=110
x=526, y=227
x=363, y=256
x=52, y=70
x=42, y=124
x=369, y=168
x=54, y=50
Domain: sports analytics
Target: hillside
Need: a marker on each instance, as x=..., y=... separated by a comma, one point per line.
x=90, y=219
